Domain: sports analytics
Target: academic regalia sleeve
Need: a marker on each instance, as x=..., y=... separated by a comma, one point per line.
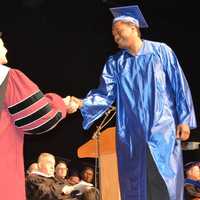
x=99, y=100
x=32, y=111
x=183, y=98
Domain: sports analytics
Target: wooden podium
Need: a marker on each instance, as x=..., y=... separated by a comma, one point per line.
x=104, y=149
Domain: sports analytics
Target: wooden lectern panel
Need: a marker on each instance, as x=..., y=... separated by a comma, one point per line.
x=109, y=181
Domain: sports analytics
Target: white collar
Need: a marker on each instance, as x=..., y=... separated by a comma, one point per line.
x=3, y=73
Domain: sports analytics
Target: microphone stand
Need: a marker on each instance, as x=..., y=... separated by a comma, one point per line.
x=96, y=136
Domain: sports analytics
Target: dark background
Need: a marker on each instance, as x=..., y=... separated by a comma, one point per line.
x=62, y=46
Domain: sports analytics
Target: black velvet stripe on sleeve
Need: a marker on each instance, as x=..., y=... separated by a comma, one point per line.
x=34, y=116
x=47, y=126
x=26, y=103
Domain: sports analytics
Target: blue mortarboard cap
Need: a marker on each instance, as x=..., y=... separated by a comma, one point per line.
x=129, y=13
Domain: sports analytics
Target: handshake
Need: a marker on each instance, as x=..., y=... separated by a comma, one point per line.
x=72, y=103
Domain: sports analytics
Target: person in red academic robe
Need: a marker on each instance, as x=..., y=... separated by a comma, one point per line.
x=24, y=109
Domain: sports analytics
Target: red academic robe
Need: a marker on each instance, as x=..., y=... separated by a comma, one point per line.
x=24, y=109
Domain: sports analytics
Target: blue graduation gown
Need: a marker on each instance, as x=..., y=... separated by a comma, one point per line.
x=152, y=97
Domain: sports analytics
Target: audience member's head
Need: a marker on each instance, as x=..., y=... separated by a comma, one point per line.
x=32, y=168
x=192, y=170
x=91, y=194
x=87, y=174
x=46, y=164
x=61, y=170
x=73, y=178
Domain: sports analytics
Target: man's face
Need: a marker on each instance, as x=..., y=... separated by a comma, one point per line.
x=61, y=170
x=122, y=34
x=73, y=180
x=195, y=172
x=33, y=168
x=47, y=165
x=3, y=51
x=88, y=175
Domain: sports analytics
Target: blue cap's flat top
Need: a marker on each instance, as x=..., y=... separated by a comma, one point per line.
x=130, y=11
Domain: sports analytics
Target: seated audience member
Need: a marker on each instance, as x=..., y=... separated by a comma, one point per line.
x=73, y=178
x=87, y=175
x=80, y=187
x=32, y=168
x=192, y=181
x=42, y=185
x=61, y=171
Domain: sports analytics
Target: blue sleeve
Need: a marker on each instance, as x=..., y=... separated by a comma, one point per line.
x=99, y=100
x=183, y=98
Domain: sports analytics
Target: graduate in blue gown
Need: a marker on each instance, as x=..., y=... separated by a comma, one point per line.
x=154, y=110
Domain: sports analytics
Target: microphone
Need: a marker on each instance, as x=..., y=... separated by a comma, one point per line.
x=97, y=132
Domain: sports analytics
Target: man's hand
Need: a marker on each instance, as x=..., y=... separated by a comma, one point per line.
x=72, y=106
x=182, y=132
x=77, y=101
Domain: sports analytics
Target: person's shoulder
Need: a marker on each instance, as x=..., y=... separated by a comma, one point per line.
x=12, y=70
x=39, y=179
x=159, y=47
x=155, y=44
x=16, y=74
x=15, y=70
x=36, y=176
x=32, y=177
